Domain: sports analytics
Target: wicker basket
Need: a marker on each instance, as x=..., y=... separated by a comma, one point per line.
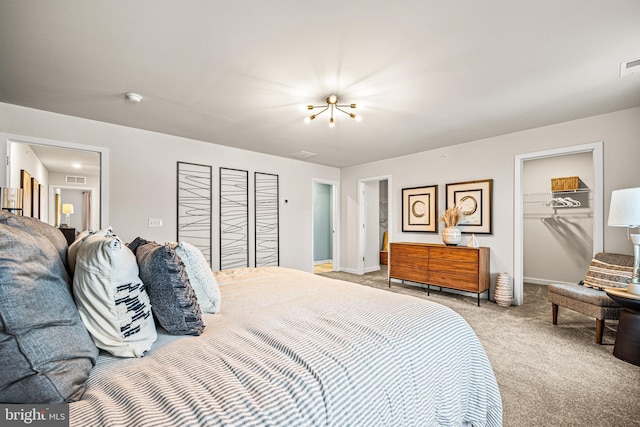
x=569, y=183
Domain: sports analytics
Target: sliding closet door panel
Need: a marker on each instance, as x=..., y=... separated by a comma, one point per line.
x=234, y=218
x=267, y=251
x=195, y=206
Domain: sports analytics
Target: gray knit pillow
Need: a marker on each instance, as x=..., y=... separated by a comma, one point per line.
x=173, y=300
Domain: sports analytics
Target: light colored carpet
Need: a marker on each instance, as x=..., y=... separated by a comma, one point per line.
x=548, y=375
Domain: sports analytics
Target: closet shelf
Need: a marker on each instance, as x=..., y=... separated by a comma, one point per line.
x=561, y=199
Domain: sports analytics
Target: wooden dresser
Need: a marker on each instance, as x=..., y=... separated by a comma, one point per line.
x=454, y=267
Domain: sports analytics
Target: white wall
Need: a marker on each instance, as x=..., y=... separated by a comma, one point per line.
x=142, y=177
x=494, y=158
x=26, y=159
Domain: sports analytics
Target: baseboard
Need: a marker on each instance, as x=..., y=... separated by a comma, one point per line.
x=326, y=261
x=372, y=269
x=349, y=270
x=545, y=282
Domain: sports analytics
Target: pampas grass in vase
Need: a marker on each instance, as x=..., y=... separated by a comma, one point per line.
x=451, y=235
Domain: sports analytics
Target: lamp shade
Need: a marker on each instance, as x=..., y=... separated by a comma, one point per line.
x=625, y=208
x=67, y=208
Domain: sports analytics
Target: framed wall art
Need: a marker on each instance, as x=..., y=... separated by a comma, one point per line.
x=420, y=209
x=35, y=198
x=475, y=198
x=25, y=184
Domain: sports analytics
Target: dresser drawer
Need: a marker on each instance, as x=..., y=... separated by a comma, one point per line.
x=415, y=251
x=449, y=266
x=457, y=255
x=462, y=282
x=411, y=274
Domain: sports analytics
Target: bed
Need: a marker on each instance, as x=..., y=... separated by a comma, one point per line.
x=291, y=348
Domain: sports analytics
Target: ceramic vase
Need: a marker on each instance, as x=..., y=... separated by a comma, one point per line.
x=504, y=290
x=451, y=236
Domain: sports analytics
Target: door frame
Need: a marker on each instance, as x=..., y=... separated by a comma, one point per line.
x=596, y=148
x=335, y=218
x=362, y=203
x=102, y=151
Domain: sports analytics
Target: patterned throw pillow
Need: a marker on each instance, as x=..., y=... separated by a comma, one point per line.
x=200, y=276
x=604, y=275
x=112, y=300
x=173, y=300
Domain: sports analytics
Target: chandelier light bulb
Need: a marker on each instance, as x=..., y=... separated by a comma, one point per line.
x=331, y=122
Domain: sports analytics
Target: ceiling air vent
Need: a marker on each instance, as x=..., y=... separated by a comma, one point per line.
x=303, y=154
x=630, y=67
x=70, y=179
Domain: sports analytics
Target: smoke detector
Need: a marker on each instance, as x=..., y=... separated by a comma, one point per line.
x=630, y=67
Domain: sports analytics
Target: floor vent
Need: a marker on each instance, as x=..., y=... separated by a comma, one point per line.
x=70, y=179
x=630, y=67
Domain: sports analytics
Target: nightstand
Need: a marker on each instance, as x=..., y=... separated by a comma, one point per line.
x=69, y=234
x=627, y=346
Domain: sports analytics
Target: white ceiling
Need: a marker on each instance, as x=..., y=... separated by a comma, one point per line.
x=429, y=73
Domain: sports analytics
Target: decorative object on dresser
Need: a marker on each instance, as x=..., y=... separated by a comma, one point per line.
x=504, y=290
x=475, y=200
x=625, y=212
x=460, y=268
x=451, y=234
x=419, y=207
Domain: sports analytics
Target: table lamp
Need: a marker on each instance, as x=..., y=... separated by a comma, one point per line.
x=625, y=212
x=67, y=209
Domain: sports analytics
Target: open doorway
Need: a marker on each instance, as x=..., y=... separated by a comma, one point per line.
x=374, y=209
x=52, y=163
x=562, y=230
x=325, y=221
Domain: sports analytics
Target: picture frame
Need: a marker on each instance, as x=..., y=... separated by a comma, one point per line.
x=475, y=198
x=25, y=184
x=420, y=209
x=35, y=198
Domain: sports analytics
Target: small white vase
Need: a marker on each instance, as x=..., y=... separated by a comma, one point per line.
x=504, y=290
x=451, y=236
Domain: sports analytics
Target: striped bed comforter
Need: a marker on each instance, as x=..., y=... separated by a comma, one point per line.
x=293, y=349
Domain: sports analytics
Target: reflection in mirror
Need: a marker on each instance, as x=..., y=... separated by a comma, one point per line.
x=65, y=184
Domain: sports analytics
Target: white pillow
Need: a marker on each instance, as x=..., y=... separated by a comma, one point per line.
x=200, y=276
x=72, y=252
x=112, y=300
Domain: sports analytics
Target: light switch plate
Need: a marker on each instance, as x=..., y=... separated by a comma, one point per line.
x=155, y=222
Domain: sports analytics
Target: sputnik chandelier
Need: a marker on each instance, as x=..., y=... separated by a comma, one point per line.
x=332, y=104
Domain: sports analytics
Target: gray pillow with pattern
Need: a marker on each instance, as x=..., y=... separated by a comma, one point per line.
x=173, y=300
